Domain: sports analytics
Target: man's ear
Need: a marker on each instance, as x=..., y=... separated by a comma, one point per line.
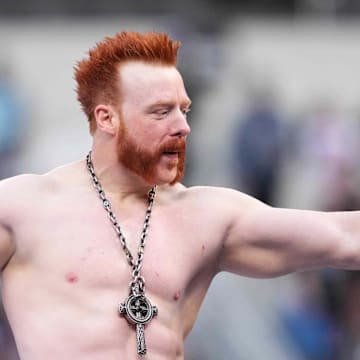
x=105, y=119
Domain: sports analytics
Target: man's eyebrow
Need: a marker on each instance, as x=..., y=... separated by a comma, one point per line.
x=161, y=103
x=169, y=103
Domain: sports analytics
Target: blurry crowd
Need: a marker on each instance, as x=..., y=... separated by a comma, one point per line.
x=314, y=155
x=320, y=148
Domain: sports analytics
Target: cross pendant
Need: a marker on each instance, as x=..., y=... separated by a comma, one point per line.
x=138, y=311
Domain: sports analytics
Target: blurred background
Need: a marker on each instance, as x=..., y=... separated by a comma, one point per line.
x=276, y=114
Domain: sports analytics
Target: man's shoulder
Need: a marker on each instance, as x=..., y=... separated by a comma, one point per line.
x=20, y=183
x=16, y=193
x=212, y=192
x=213, y=195
x=36, y=183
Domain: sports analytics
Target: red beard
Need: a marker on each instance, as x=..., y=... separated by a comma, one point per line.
x=143, y=162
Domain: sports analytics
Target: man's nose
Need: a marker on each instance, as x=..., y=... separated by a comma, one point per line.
x=181, y=126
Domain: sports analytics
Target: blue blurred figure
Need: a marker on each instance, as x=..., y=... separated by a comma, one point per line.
x=11, y=123
x=310, y=326
x=258, y=148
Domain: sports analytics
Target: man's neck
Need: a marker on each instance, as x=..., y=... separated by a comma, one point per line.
x=116, y=179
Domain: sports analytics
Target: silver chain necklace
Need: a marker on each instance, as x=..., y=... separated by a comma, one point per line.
x=136, y=308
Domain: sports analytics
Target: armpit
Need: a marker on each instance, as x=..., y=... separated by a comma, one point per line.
x=7, y=246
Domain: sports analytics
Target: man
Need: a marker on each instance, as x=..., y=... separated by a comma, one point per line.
x=73, y=239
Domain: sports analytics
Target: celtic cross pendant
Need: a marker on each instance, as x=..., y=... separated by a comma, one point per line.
x=138, y=311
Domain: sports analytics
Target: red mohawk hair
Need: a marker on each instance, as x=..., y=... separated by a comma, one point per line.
x=97, y=76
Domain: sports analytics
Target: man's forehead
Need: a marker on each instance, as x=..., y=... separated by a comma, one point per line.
x=146, y=72
x=150, y=80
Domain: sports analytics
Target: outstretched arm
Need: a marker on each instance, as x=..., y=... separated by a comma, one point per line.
x=263, y=241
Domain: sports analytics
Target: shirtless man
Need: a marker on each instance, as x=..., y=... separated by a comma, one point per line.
x=64, y=268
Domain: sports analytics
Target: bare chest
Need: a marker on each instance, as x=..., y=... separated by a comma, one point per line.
x=71, y=243
x=69, y=255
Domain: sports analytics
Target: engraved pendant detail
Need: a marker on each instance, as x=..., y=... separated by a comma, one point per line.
x=138, y=311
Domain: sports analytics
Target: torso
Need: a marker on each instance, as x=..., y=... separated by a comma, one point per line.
x=62, y=286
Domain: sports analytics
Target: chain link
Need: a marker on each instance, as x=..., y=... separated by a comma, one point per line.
x=137, y=285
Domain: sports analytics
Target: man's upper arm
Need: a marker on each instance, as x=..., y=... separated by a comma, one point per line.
x=263, y=241
x=7, y=246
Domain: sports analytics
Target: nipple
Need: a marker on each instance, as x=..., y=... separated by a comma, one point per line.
x=177, y=295
x=71, y=277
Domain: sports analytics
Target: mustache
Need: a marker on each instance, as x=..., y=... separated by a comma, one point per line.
x=173, y=145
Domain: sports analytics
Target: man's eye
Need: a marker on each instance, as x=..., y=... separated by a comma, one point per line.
x=186, y=111
x=161, y=112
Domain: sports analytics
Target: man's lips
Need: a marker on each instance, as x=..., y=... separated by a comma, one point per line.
x=172, y=154
x=173, y=150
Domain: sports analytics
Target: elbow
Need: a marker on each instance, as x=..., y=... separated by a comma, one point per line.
x=347, y=253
